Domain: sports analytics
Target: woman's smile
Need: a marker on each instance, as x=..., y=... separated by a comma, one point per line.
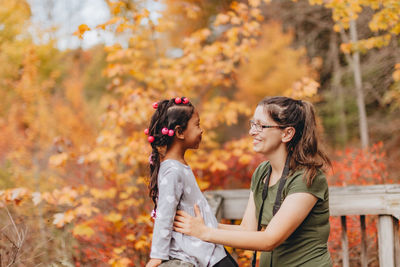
x=256, y=141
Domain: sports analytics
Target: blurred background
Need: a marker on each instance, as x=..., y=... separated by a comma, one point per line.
x=77, y=80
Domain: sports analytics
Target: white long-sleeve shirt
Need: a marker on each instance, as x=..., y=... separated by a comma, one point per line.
x=178, y=189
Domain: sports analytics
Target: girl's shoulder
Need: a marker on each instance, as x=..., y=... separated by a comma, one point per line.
x=174, y=167
x=173, y=163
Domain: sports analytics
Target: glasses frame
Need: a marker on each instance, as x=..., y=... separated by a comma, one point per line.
x=260, y=127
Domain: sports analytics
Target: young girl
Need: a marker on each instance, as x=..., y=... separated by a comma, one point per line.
x=175, y=126
x=287, y=215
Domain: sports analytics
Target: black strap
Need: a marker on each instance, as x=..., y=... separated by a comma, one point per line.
x=277, y=203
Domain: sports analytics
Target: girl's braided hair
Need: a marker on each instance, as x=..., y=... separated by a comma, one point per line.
x=168, y=115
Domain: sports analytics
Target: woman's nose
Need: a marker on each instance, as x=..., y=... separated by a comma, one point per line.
x=252, y=132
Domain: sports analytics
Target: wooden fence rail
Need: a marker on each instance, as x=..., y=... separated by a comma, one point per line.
x=381, y=200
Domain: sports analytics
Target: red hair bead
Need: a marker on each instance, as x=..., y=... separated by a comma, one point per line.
x=178, y=100
x=146, y=131
x=150, y=139
x=171, y=132
x=185, y=100
x=155, y=105
x=164, y=131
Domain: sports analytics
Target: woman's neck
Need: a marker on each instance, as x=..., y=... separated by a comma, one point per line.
x=277, y=161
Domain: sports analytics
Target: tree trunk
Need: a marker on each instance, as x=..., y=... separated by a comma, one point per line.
x=359, y=90
x=336, y=85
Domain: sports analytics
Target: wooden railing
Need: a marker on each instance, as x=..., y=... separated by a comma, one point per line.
x=381, y=200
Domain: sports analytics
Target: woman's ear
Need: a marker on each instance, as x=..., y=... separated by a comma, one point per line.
x=287, y=134
x=179, y=132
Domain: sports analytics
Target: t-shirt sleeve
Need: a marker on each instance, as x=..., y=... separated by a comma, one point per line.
x=170, y=190
x=258, y=174
x=318, y=188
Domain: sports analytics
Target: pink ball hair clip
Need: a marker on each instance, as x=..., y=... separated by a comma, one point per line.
x=178, y=100
x=183, y=100
x=153, y=214
x=164, y=131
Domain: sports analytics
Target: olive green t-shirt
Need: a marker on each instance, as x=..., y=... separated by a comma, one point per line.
x=307, y=245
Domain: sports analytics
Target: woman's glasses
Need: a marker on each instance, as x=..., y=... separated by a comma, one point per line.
x=259, y=127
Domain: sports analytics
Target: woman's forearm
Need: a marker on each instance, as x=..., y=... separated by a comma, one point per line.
x=233, y=227
x=251, y=240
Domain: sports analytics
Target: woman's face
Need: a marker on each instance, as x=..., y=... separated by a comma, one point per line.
x=265, y=140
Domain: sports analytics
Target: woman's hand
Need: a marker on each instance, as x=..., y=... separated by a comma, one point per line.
x=189, y=225
x=153, y=263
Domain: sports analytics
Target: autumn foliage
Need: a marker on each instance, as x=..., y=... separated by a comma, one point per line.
x=75, y=168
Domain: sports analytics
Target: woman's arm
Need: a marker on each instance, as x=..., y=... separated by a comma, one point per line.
x=153, y=262
x=249, y=221
x=293, y=211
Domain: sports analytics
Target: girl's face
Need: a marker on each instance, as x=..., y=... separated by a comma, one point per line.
x=193, y=132
x=265, y=140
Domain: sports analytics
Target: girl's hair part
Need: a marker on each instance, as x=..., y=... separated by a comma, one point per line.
x=167, y=115
x=304, y=149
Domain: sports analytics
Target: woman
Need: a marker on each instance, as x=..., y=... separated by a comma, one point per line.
x=291, y=226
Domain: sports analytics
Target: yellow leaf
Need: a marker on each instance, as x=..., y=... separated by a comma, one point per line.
x=143, y=219
x=141, y=244
x=120, y=262
x=254, y=3
x=81, y=30
x=316, y=2
x=113, y=217
x=203, y=185
x=119, y=250
x=146, y=13
x=58, y=160
x=86, y=210
x=221, y=19
x=131, y=237
x=245, y=159
x=346, y=48
x=132, y=189
x=83, y=230
x=396, y=75
x=336, y=28
x=60, y=219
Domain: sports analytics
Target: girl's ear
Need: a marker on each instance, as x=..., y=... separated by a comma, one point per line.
x=179, y=132
x=287, y=134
